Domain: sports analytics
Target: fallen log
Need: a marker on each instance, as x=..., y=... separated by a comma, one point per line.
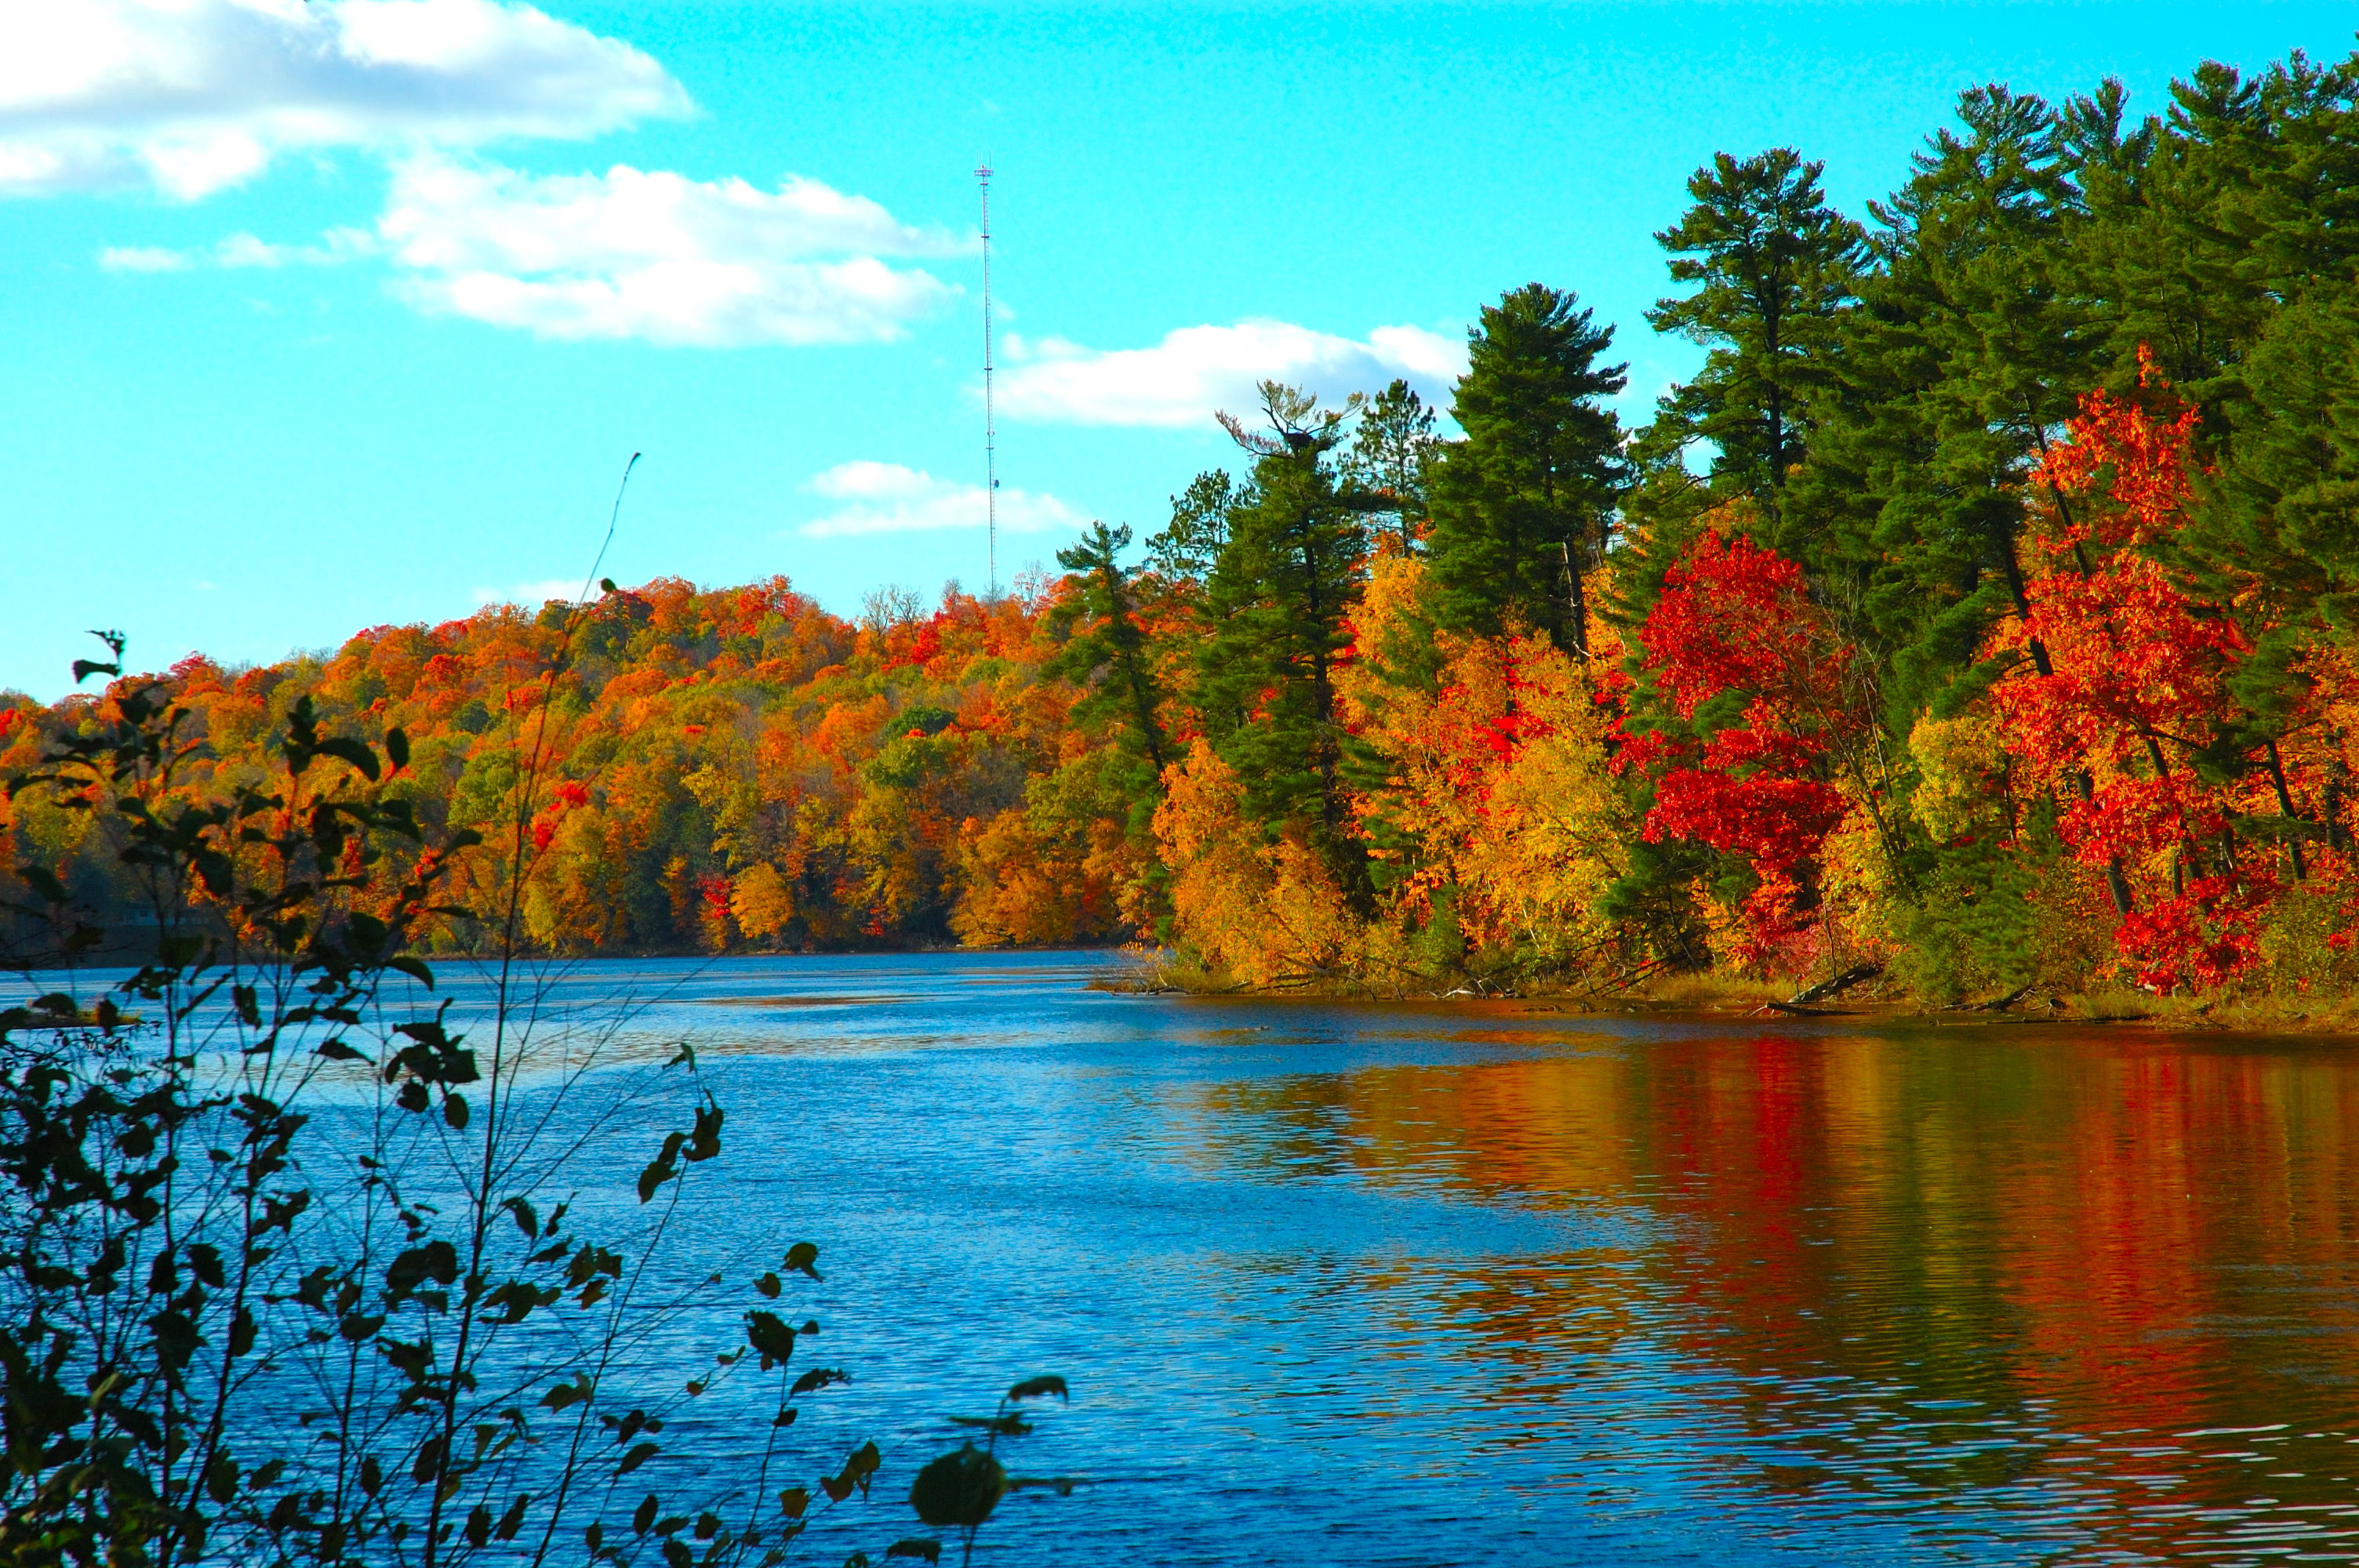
x=1858, y=974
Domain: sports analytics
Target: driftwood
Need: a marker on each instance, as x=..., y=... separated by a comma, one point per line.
x=1858, y=974
x=2000, y=1004
x=1796, y=1009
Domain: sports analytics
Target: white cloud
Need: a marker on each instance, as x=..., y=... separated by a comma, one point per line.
x=635, y=253
x=335, y=247
x=1198, y=370
x=190, y=96
x=885, y=498
x=141, y=258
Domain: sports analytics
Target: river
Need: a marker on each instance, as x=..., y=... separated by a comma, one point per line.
x=1495, y=1283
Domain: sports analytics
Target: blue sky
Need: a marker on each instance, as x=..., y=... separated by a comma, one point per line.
x=318, y=315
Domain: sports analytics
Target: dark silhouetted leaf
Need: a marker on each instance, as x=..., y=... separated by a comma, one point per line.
x=858, y=1466
x=770, y=1337
x=43, y=882
x=350, y=751
x=561, y=1395
x=959, y=1489
x=658, y=1173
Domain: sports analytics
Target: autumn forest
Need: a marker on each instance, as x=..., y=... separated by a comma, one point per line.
x=1985, y=609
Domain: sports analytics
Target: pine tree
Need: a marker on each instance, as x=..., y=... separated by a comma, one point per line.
x=1966, y=352
x=1188, y=546
x=1775, y=267
x=1521, y=507
x=1274, y=607
x=1389, y=457
x=1108, y=654
x=2283, y=510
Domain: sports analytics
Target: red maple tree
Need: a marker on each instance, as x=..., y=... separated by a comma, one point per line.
x=2137, y=666
x=1736, y=617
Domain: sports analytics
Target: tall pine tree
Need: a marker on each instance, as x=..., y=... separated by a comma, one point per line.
x=1106, y=651
x=1521, y=507
x=1389, y=457
x=1275, y=604
x=1185, y=549
x=1774, y=267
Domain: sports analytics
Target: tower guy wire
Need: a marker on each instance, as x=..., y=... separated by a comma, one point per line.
x=990, y=425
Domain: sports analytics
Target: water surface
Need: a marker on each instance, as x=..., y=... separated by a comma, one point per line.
x=1467, y=1284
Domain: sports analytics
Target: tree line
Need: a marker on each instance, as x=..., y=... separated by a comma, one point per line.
x=1982, y=609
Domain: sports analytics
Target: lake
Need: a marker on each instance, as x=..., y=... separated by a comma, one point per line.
x=1493, y=1283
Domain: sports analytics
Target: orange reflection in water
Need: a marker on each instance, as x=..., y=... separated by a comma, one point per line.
x=1941, y=1260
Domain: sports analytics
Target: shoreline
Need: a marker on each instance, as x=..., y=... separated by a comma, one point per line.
x=1733, y=1001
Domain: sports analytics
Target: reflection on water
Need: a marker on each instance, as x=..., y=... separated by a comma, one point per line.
x=1341, y=1284
x=2102, y=1286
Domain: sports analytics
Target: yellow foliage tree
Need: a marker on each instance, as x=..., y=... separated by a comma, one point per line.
x=763, y=902
x=1265, y=912
x=1491, y=800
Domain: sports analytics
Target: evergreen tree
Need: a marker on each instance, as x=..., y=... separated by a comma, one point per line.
x=1970, y=347
x=1966, y=352
x=1390, y=456
x=1522, y=505
x=1187, y=546
x=1274, y=624
x=2284, y=504
x=1774, y=268
x=2266, y=173
x=2163, y=252
x=1108, y=654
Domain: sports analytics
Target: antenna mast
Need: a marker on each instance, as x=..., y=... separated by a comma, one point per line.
x=990, y=424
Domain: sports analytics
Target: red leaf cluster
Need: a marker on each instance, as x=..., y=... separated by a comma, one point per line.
x=2136, y=680
x=1736, y=617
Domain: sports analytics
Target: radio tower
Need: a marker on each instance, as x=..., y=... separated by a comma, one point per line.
x=990, y=426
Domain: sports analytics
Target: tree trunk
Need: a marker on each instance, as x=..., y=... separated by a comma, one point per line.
x=2116, y=884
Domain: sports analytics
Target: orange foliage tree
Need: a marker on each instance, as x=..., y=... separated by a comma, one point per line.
x=2136, y=700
